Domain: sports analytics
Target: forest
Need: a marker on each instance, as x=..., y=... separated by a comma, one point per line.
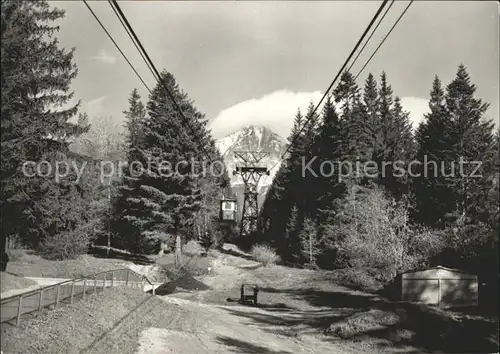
x=376, y=222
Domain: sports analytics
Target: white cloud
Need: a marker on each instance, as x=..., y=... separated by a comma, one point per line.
x=275, y=111
x=105, y=57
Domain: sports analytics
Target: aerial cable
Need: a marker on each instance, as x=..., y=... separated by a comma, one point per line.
x=371, y=35
x=335, y=79
x=383, y=40
x=157, y=74
x=116, y=45
x=132, y=39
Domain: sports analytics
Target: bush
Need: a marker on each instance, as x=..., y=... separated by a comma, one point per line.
x=66, y=245
x=15, y=254
x=192, y=248
x=264, y=254
x=362, y=279
x=207, y=242
x=372, y=231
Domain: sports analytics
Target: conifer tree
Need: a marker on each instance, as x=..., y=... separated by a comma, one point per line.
x=456, y=130
x=30, y=125
x=328, y=153
x=472, y=141
x=310, y=243
x=305, y=196
x=352, y=115
x=134, y=119
x=163, y=195
x=283, y=193
x=401, y=151
x=393, y=146
x=433, y=196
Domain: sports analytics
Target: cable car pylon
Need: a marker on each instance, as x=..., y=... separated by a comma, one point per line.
x=250, y=172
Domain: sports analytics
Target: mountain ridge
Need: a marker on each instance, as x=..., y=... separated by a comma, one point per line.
x=252, y=137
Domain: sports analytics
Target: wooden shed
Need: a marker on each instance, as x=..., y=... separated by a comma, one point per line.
x=440, y=286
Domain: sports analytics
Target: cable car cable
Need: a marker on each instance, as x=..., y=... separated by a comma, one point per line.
x=383, y=40
x=148, y=61
x=335, y=79
x=169, y=93
x=131, y=38
x=116, y=45
x=371, y=35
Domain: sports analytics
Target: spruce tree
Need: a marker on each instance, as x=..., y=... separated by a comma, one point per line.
x=383, y=125
x=370, y=101
x=401, y=151
x=36, y=77
x=352, y=115
x=393, y=143
x=456, y=133
x=472, y=141
x=328, y=153
x=134, y=118
x=282, y=195
x=306, y=193
x=164, y=196
x=433, y=196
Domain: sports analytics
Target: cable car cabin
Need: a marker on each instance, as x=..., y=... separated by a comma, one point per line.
x=228, y=210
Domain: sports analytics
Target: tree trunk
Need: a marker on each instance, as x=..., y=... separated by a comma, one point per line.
x=310, y=251
x=178, y=250
x=109, y=218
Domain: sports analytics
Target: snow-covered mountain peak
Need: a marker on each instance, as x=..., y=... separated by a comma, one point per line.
x=252, y=138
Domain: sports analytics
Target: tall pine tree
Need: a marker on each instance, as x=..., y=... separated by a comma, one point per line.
x=472, y=139
x=160, y=200
x=36, y=78
x=433, y=197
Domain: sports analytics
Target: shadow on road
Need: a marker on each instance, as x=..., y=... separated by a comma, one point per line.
x=239, y=346
x=364, y=317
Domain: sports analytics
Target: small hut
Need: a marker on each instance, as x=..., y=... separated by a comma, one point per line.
x=440, y=286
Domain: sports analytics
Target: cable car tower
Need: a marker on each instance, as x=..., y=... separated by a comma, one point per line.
x=250, y=172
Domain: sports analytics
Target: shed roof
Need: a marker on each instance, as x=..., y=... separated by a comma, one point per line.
x=435, y=267
x=437, y=271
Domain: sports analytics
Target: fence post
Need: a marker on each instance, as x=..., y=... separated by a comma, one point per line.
x=72, y=291
x=40, y=301
x=142, y=284
x=95, y=284
x=153, y=286
x=112, y=278
x=57, y=296
x=19, y=308
x=126, y=281
x=439, y=293
x=84, y=287
x=104, y=281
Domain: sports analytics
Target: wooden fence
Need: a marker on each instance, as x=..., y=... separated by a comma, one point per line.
x=33, y=302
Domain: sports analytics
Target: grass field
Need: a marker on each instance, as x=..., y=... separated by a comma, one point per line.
x=71, y=328
x=12, y=282
x=25, y=263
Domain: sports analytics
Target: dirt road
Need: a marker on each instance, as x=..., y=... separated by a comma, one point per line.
x=202, y=328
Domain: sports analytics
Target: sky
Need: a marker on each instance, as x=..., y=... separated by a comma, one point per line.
x=257, y=62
